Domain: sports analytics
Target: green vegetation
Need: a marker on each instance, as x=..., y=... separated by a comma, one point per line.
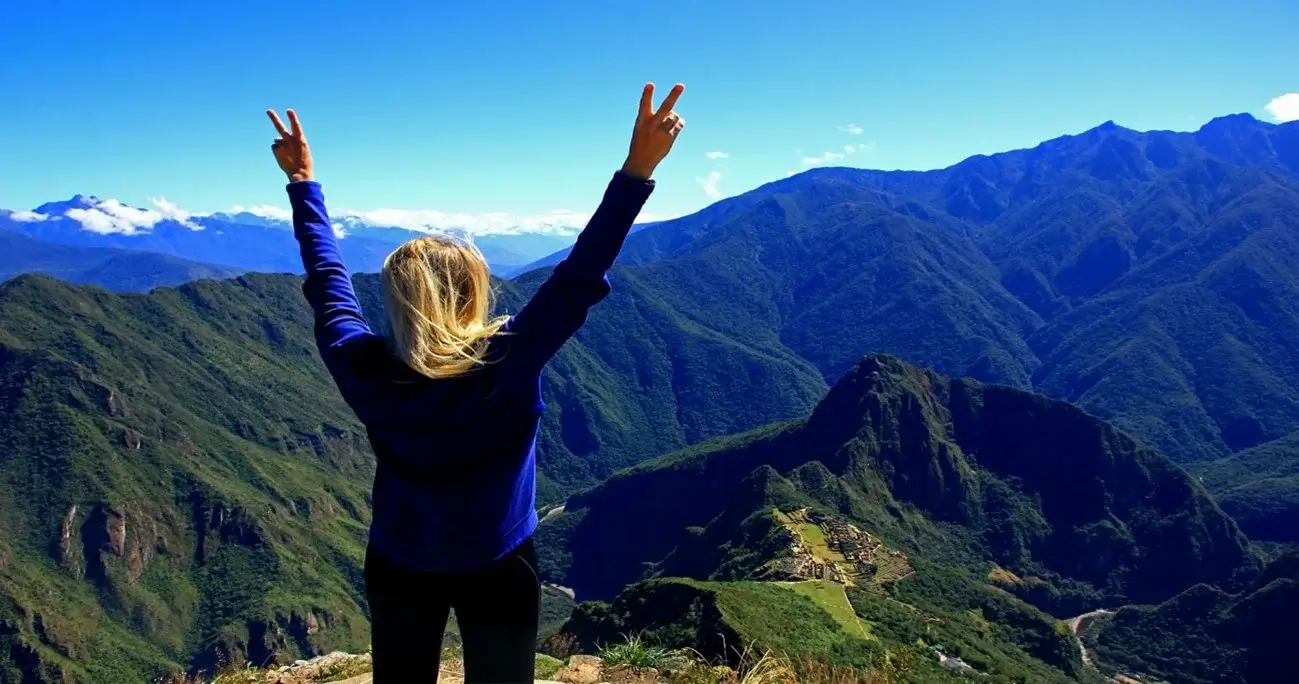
x=942, y=470
x=1144, y=276
x=169, y=499
x=556, y=607
x=727, y=621
x=936, y=468
x=633, y=651
x=831, y=597
x=546, y=666
x=1259, y=488
x=1207, y=636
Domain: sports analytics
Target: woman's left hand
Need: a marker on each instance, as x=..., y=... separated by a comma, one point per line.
x=290, y=149
x=655, y=131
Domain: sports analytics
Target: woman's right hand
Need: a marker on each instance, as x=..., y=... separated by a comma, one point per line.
x=655, y=131
x=290, y=149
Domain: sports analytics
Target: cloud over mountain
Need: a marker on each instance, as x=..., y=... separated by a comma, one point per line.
x=1284, y=108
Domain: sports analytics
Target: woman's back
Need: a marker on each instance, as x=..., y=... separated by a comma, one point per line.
x=456, y=457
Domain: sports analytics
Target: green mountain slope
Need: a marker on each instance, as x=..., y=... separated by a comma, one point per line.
x=1006, y=508
x=181, y=481
x=830, y=271
x=643, y=378
x=967, y=472
x=1194, y=350
x=1259, y=487
x=1142, y=275
x=169, y=494
x=993, y=509
x=1207, y=636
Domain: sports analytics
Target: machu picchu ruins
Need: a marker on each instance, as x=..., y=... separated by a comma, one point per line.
x=827, y=548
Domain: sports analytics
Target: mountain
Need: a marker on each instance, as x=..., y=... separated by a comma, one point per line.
x=969, y=497
x=1079, y=509
x=181, y=483
x=1207, y=636
x=167, y=496
x=245, y=240
x=1143, y=275
x=114, y=269
x=919, y=639
x=204, y=414
x=1259, y=487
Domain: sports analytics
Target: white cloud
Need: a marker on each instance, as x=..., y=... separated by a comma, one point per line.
x=716, y=155
x=826, y=158
x=558, y=222
x=169, y=210
x=27, y=216
x=110, y=216
x=264, y=211
x=1284, y=108
x=790, y=173
x=710, y=185
x=113, y=217
x=852, y=129
x=860, y=147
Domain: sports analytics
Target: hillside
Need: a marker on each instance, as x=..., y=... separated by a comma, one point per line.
x=119, y=270
x=1142, y=275
x=999, y=500
x=166, y=494
x=1207, y=636
x=1259, y=487
x=168, y=497
x=720, y=620
x=984, y=472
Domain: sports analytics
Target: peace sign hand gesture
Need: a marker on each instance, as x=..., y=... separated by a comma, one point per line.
x=291, y=150
x=655, y=131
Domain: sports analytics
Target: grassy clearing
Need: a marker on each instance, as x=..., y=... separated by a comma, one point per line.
x=831, y=597
x=815, y=540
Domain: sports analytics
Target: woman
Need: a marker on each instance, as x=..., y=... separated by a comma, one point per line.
x=451, y=401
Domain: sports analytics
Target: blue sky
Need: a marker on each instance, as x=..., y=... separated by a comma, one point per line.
x=524, y=107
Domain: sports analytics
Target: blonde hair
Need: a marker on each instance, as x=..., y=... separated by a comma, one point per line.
x=438, y=293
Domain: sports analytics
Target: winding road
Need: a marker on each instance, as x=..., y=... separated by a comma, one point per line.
x=1076, y=627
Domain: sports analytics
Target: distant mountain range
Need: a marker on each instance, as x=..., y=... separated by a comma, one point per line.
x=245, y=241
x=1145, y=278
x=121, y=270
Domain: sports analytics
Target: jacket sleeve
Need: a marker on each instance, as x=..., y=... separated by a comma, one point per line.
x=577, y=283
x=328, y=286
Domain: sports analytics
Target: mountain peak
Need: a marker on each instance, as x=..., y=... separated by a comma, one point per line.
x=1231, y=122
x=59, y=208
x=1105, y=129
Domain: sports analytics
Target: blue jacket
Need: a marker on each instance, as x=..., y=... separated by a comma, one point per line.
x=455, y=487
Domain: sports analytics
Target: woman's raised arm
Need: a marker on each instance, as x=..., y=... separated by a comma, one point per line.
x=328, y=286
x=578, y=282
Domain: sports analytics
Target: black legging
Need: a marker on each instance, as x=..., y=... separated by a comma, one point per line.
x=496, y=607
